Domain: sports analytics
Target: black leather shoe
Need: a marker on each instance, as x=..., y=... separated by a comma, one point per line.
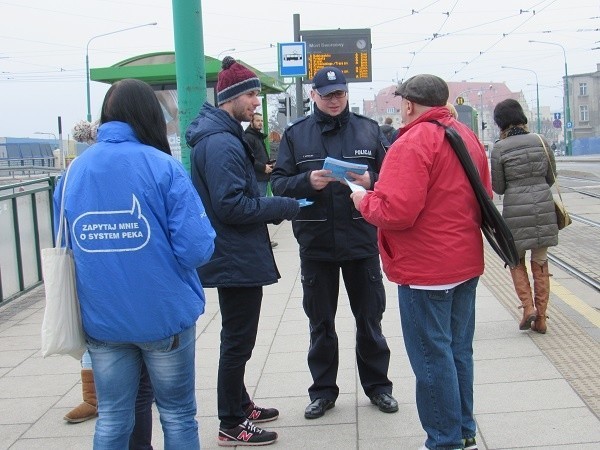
x=385, y=402
x=318, y=407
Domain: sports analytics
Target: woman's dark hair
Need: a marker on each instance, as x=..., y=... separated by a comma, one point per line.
x=134, y=102
x=509, y=113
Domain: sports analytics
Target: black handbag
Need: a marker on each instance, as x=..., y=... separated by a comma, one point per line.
x=493, y=226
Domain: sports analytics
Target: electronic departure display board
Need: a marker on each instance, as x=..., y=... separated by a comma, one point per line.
x=348, y=50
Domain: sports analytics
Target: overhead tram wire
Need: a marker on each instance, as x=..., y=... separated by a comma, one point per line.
x=504, y=35
x=534, y=10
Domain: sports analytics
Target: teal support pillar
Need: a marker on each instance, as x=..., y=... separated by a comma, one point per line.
x=189, y=66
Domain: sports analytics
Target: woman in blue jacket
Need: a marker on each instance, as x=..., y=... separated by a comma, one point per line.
x=138, y=231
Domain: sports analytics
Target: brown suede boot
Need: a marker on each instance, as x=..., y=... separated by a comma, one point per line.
x=523, y=290
x=88, y=409
x=541, y=287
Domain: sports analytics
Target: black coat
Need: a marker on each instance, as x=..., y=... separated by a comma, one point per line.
x=256, y=141
x=389, y=132
x=331, y=229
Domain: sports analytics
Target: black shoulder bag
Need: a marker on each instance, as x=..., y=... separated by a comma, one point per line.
x=493, y=226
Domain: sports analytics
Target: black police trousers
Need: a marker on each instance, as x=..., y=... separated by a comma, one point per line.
x=364, y=285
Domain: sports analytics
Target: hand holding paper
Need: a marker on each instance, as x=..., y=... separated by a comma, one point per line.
x=353, y=186
x=340, y=168
x=357, y=197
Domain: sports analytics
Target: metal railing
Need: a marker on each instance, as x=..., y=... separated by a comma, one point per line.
x=26, y=224
x=14, y=167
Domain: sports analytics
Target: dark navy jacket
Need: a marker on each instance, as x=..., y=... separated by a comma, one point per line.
x=223, y=174
x=331, y=229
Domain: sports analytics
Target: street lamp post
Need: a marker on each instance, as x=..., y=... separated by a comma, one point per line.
x=480, y=93
x=49, y=134
x=87, y=62
x=566, y=99
x=537, y=94
x=225, y=51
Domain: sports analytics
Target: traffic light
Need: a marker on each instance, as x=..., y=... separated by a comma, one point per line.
x=483, y=125
x=285, y=106
x=306, y=103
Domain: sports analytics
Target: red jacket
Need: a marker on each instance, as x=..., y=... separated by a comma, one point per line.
x=427, y=215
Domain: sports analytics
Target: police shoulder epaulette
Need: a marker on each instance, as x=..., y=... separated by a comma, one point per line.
x=360, y=116
x=296, y=121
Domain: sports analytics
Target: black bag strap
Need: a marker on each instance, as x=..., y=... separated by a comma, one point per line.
x=493, y=225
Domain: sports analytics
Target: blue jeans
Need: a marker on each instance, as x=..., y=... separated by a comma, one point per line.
x=141, y=436
x=438, y=328
x=170, y=364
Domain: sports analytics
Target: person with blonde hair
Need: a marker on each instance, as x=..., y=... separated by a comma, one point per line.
x=452, y=110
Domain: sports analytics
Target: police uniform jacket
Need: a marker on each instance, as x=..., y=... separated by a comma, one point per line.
x=331, y=229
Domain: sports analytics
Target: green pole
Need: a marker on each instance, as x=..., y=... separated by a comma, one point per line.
x=265, y=113
x=189, y=66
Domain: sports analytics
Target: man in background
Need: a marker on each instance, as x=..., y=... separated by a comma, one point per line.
x=262, y=166
x=256, y=140
x=388, y=130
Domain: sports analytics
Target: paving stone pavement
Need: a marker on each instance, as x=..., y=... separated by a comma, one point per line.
x=524, y=396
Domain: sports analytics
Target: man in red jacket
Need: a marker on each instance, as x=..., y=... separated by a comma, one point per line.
x=428, y=221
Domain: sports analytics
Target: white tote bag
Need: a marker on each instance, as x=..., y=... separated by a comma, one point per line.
x=62, y=333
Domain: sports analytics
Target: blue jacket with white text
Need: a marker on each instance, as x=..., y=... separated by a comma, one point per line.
x=138, y=231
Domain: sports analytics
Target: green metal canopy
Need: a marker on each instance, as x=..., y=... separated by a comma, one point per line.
x=159, y=69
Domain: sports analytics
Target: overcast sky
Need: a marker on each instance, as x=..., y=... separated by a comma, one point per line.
x=43, y=45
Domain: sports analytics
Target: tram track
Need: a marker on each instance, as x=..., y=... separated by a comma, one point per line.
x=566, y=257
x=589, y=194
x=582, y=219
x=575, y=272
x=562, y=258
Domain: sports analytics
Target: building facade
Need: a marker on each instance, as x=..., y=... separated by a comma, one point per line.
x=584, y=90
x=481, y=97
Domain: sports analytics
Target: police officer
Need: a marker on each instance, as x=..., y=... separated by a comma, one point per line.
x=333, y=236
